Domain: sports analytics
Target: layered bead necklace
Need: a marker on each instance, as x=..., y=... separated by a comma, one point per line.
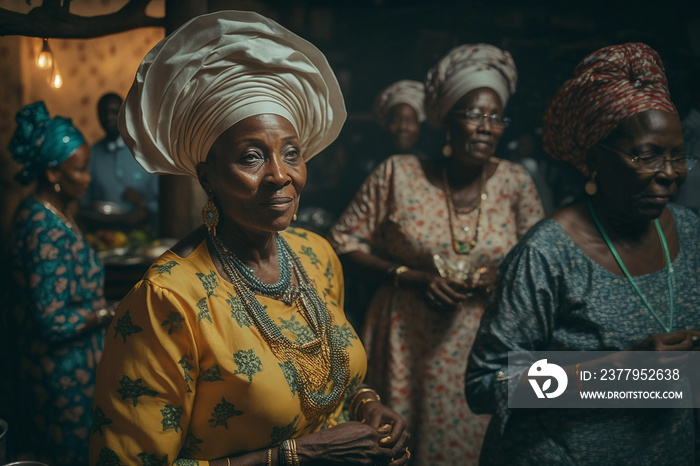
x=463, y=247
x=317, y=362
x=670, y=276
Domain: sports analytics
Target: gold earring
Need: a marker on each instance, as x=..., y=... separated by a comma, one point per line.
x=447, y=148
x=294, y=217
x=57, y=187
x=591, y=187
x=210, y=215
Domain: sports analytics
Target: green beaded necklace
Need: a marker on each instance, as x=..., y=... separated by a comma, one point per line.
x=670, y=279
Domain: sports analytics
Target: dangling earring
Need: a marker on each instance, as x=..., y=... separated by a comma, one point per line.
x=57, y=187
x=294, y=217
x=210, y=215
x=447, y=148
x=591, y=187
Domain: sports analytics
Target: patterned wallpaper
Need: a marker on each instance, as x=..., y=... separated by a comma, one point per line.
x=90, y=68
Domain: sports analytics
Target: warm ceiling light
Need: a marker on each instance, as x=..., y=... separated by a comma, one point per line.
x=56, y=80
x=44, y=60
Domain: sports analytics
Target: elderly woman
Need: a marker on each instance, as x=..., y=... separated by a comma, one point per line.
x=234, y=348
x=399, y=111
x=616, y=271
x=58, y=289
x=468, y=208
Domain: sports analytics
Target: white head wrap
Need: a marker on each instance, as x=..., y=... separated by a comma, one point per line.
x=463, y=69
x=401, y=92
x=213, y=72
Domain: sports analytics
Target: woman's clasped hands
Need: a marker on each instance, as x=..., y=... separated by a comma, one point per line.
x=446, y=294
x=380, y=437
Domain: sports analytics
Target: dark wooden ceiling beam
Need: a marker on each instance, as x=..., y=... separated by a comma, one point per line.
x=52, y=19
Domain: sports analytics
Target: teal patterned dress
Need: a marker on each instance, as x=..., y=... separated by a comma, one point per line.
x=58, y=281
x=553, y=297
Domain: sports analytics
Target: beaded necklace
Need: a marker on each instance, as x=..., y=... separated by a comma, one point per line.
x=66, y=219
x=283, y=289
x=463, y=247
x=316, y=362
x=670, y=277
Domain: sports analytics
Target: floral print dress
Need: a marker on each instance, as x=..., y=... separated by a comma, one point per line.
x=417, y=357
x=58, y=281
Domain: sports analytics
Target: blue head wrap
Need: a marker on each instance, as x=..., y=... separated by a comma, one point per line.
x=42, y=142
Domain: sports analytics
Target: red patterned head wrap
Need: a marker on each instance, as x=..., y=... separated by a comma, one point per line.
x=608, y=86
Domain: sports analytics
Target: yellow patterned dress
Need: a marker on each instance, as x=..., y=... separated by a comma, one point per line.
x=186, y=377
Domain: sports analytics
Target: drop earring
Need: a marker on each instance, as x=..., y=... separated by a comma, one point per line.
x=294, y=217
x=210, y=215
x=591, y=187
x=447, y=148
x=57, y=187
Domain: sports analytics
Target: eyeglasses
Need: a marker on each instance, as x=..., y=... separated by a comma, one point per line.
x=476, y=117
x=649, y=162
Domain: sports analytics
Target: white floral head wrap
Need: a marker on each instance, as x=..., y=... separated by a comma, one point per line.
x=463, y=69
x=213, y=72
x=401, y=92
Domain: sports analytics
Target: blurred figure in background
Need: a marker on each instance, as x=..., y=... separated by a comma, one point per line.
x=60, y=312
x=468, y=209
x=689, y=194
x=117, y=179
x=399, y=111
x=525, y=150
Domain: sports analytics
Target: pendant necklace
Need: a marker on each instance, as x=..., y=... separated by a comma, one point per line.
x=463, y=247
x=670, y=277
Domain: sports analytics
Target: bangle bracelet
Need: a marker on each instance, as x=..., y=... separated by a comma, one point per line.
x=400, y=270
x=356, y=402
x=356, y=413
x=352, y=404
x=288, y=453
x=295, y=456
x=269, y=457
x=104, y=314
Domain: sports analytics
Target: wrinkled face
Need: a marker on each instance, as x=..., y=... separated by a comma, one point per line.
x=256, y=172
x=475, y=143
x=403, y=124
x=108, y=114
x=628, y=191
x=73, y=175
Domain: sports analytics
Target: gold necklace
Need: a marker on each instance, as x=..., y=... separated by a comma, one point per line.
x=66, y=219
x=317, y=362
x=463, y=247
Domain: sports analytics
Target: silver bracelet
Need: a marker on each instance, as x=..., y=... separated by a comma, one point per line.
x=104, y=315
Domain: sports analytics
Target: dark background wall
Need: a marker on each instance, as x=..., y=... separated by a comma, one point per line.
x=372, y=43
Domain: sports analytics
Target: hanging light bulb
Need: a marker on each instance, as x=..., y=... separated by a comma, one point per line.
x=56, y=80
x=44, y=60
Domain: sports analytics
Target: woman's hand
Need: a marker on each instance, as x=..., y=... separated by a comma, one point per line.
x=682, y=340
x=445, y=294
x=484, y=279
x=356, y=443
x=385, y=420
